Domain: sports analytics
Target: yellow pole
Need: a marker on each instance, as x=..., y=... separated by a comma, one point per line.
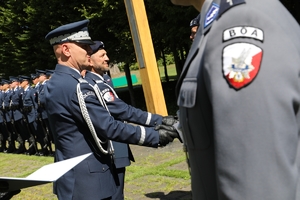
x=144, y=50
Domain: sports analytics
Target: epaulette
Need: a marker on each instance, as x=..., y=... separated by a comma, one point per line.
x=210, y=16
x=227, y=4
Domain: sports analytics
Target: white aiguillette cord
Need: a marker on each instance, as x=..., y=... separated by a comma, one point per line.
x=85, y=114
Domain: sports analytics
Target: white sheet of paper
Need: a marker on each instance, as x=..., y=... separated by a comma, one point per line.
x=52, y=172
x=46, y=174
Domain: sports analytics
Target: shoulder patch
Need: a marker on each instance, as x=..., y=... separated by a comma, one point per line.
x=88, y=93
x=211, y=15
x=244, y=32
x=241, y=63
x=109, y=96
x=227, y=4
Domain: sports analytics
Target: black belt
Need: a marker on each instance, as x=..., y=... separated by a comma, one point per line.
x=27, y=108
x=14, y=107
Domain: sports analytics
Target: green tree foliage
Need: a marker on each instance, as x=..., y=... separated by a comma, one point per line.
x=22, y=34
x=24, y=25
x=109, y=24
x=293, y=6
x=169, y=26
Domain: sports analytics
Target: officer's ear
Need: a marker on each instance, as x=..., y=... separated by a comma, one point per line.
x=60, y=50
x=65, y=48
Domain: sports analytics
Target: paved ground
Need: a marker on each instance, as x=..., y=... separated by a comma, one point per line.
x=157, y=186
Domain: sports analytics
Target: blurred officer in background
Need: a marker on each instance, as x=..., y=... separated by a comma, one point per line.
x=119, y=110
x=35, y=80
x=239, y=100
x=3, y=131
x=80, y=122
x=42, y=117
x=29, y=114
x=49, y=73
x=16, y=121
x=6, y=116
x=194, y=24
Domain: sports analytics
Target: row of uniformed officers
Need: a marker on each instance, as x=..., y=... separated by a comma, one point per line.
x=24, y=126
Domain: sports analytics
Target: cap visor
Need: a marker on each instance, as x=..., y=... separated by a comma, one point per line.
x=90, y=42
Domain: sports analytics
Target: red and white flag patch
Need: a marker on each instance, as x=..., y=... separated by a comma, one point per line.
x=241, y=63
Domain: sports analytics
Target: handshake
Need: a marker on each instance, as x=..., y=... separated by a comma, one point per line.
x=167, y=132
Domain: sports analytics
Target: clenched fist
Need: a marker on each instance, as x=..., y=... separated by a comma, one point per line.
x=169, y=120
x=166, y=134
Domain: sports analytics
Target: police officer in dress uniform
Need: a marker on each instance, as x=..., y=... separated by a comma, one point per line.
x=6, y=116
x=35, y=80
x=42, y=117
x=239, y=99
x=119, y=110
x=29, y=114
x=16, y=115
x=49, y=73
x=81, y=124
x=40, y=130
x=194, y=24
x=3, y=133
x=43, y=79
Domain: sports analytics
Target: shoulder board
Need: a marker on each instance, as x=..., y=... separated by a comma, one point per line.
x=227, y=4
x=210, y=16
x=98, y=81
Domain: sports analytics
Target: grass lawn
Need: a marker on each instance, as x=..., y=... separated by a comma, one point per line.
x=171, y=70
x=155, y=174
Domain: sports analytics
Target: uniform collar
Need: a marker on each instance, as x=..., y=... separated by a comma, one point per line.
x=44, y=82
x=98, y=76
x=67, y=70
x=26, y=88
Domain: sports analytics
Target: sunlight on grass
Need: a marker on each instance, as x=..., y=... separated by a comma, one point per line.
x=159, y=171
x=150, y=167
x=171, y=70
x=13, y=165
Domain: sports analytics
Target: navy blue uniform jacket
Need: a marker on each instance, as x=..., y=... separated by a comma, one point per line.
x=1, y=104
x=28, y=101
x=92, y=178
x=41, y=99
x=16, y=101
x=7, y=98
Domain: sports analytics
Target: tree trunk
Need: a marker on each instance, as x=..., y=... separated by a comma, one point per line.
x=129, y=83
x=165, y=65
x=177, y=60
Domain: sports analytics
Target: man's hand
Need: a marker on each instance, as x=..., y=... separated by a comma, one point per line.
x=169, y=120
x=166, y=134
